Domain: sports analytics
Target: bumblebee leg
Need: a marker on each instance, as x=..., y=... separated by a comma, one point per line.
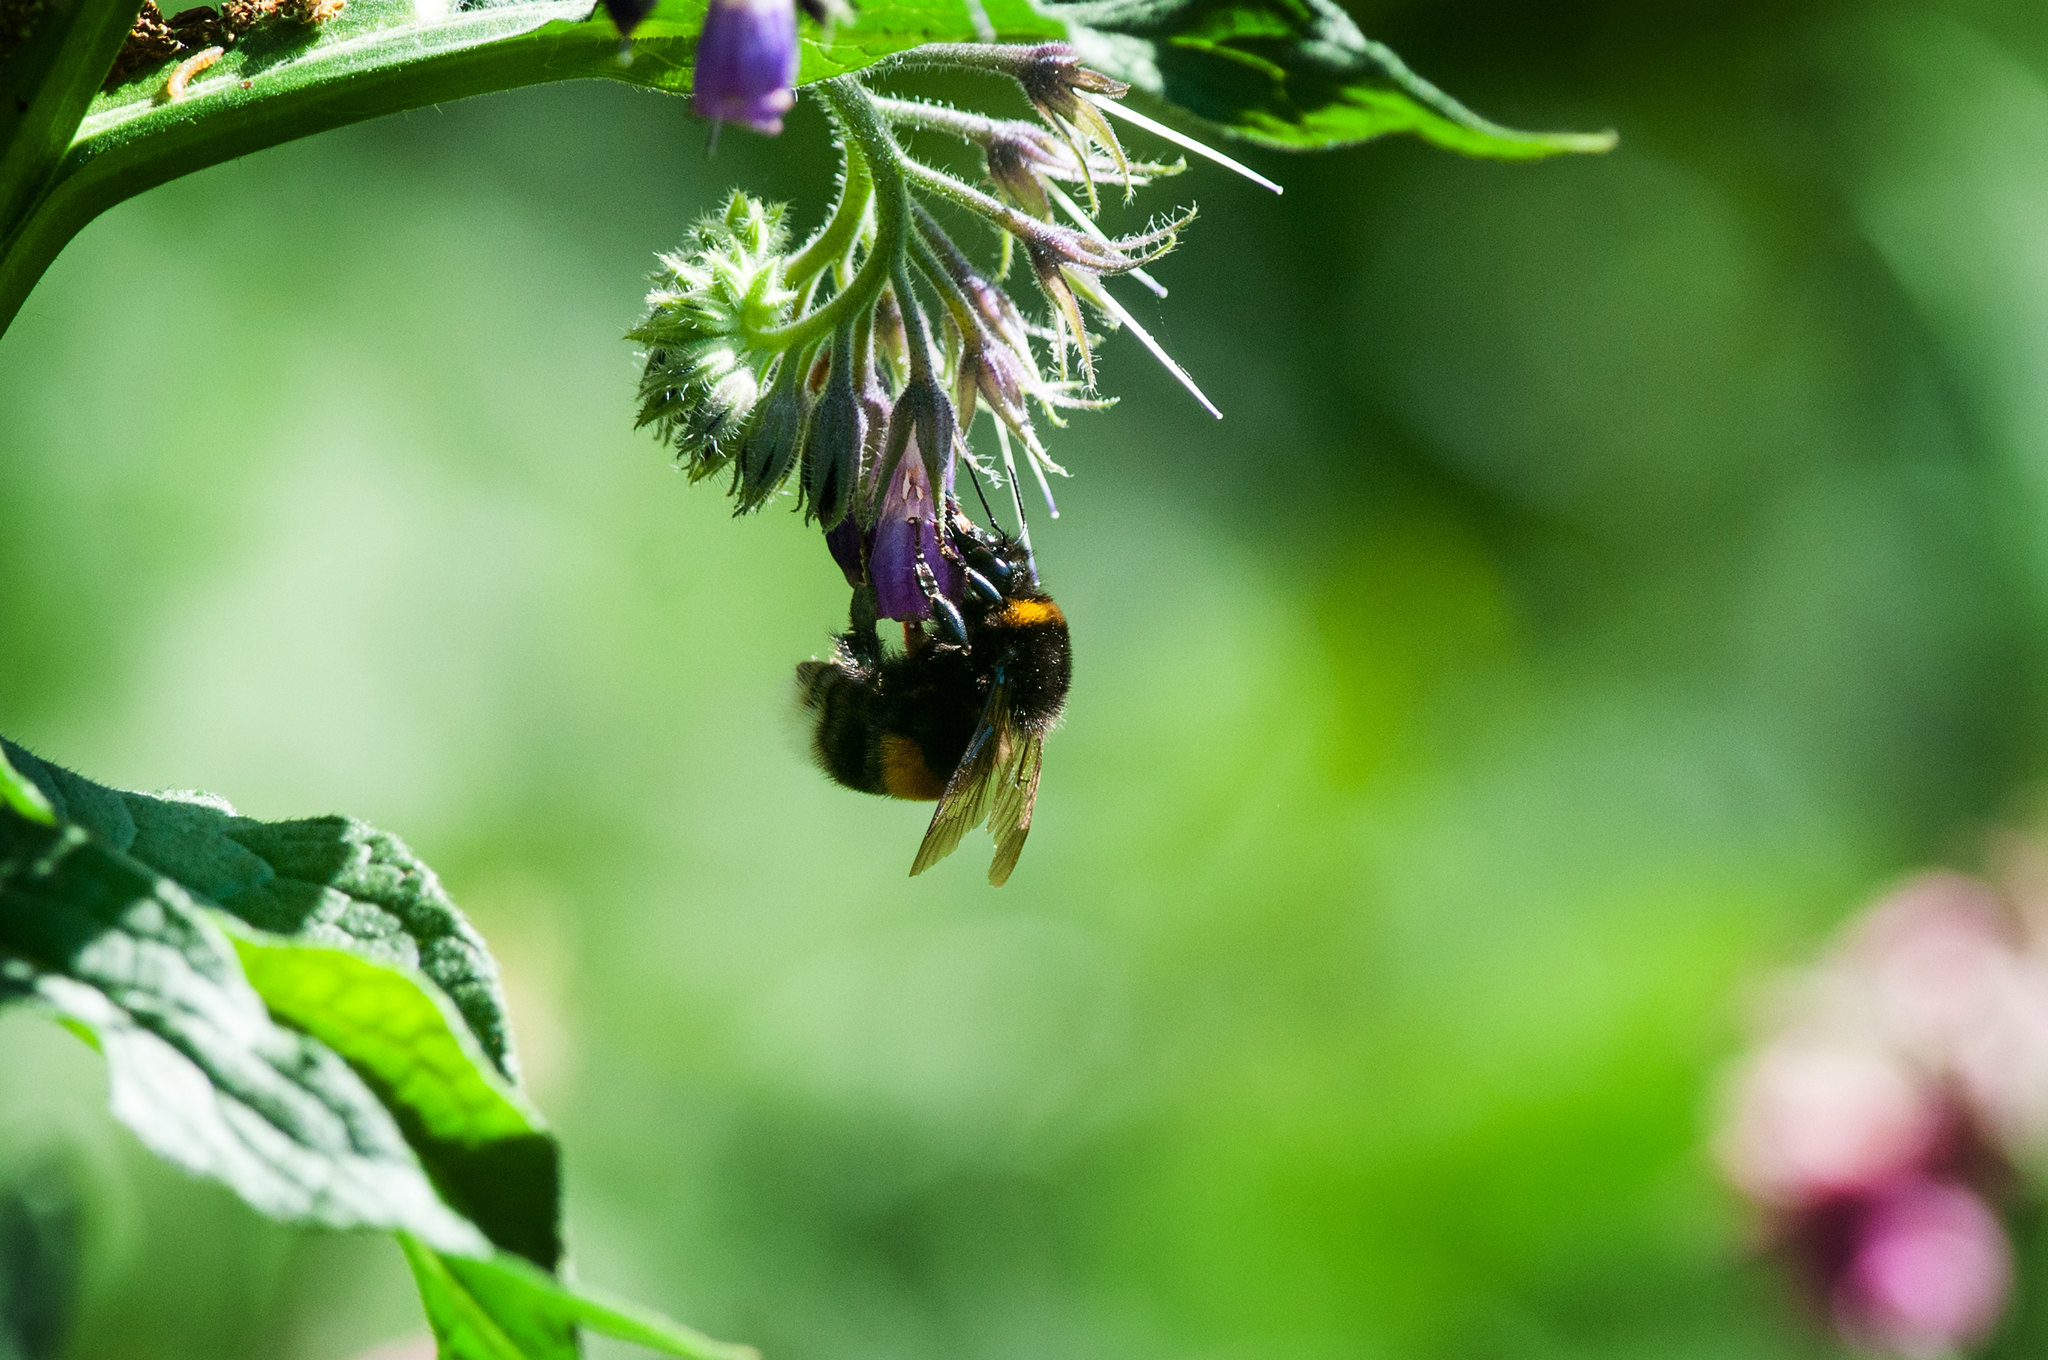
x=861, y=639
x=945, y=613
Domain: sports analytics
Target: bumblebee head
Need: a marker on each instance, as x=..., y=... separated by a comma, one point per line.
x=1001, y=561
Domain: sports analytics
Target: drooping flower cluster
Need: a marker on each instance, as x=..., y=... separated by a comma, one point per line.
x=851, y=368
x=1896, y=1103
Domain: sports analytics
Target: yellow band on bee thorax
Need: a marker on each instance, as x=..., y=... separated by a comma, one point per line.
x=1026, y=613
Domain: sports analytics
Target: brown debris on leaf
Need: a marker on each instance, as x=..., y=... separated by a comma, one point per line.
x=17, y=24
x=155, y=40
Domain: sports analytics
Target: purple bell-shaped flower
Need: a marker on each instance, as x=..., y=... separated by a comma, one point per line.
x=906, y=534
x=746, y=63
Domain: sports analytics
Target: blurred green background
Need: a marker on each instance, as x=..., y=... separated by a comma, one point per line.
x=1607, y=573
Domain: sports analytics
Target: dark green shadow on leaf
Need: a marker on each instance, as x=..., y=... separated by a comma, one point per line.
x=1297, y=75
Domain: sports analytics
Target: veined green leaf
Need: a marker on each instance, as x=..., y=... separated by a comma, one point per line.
x=504, y=1309
x=325, y=880
x=197, y=1067
x=379, y=1101
x=485, y=1147
x=347, y=937
x=1292, y=74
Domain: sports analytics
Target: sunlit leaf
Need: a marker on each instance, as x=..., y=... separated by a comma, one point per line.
x=355, y=943
x=326, y=880
x=24, y=797
x=484, y=1146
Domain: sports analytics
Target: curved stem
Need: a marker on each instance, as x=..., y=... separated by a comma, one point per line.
x=916, y=332
x=855, y=110
x=968, y=127
x=1001, y=59
x=121, y=152
x=837, y=236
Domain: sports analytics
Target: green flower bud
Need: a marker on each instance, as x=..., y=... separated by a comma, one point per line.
x=773, y=441
x=833, y=447
x=702, y=381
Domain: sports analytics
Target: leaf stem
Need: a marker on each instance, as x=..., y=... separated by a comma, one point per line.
x=120, y=153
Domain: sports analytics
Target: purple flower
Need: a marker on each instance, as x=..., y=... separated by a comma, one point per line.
x=906, y=533
x=848, y=548
x=746, y=63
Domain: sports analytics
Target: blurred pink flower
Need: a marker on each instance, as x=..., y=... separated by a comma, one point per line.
x=1813, y=1120
x=1925, y=1274
x=1903, y=1083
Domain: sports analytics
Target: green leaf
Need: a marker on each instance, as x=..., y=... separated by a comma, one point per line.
x=1292, y=74
x=504, y=1309
x=330, y=880
x=387, y=1102
x=48, y=74
x=197, y=1067
x=386, y=56
x=347, y=937
x=485, y=1148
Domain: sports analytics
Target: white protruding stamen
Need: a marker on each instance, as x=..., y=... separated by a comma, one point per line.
x=1081, y=219
x=1180, y=139
x=1108, y=302
x=1034, y=454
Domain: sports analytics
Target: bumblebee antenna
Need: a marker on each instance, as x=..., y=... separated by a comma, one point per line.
x=1017, y=499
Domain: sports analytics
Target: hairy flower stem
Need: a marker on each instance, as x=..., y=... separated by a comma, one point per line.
x=854, y=109
x=963, y=195
x=991, y=58
x=968, y=127
x=837, y=236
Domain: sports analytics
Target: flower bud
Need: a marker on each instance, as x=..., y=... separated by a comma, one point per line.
x=1054, y=80
x=1016, y=177
x=889, y=339
x=702, y=380
x=772, y=442
x=746, y=63
x=833, y=449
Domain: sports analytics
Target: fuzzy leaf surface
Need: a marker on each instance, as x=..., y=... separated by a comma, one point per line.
x=485, y=1148
x=321, y=880
x=349, y=939
x=1296, y=75
x=197, y=1067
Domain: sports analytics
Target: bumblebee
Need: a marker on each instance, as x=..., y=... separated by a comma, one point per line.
x=961, y=715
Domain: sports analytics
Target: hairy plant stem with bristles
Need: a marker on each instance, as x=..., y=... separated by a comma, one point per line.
x=867, y=137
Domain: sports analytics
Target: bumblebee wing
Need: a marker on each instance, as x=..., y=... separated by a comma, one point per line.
x=973, y=784
x=1009, y=818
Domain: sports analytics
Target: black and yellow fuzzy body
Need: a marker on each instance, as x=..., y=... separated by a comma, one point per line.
x=960, y=724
